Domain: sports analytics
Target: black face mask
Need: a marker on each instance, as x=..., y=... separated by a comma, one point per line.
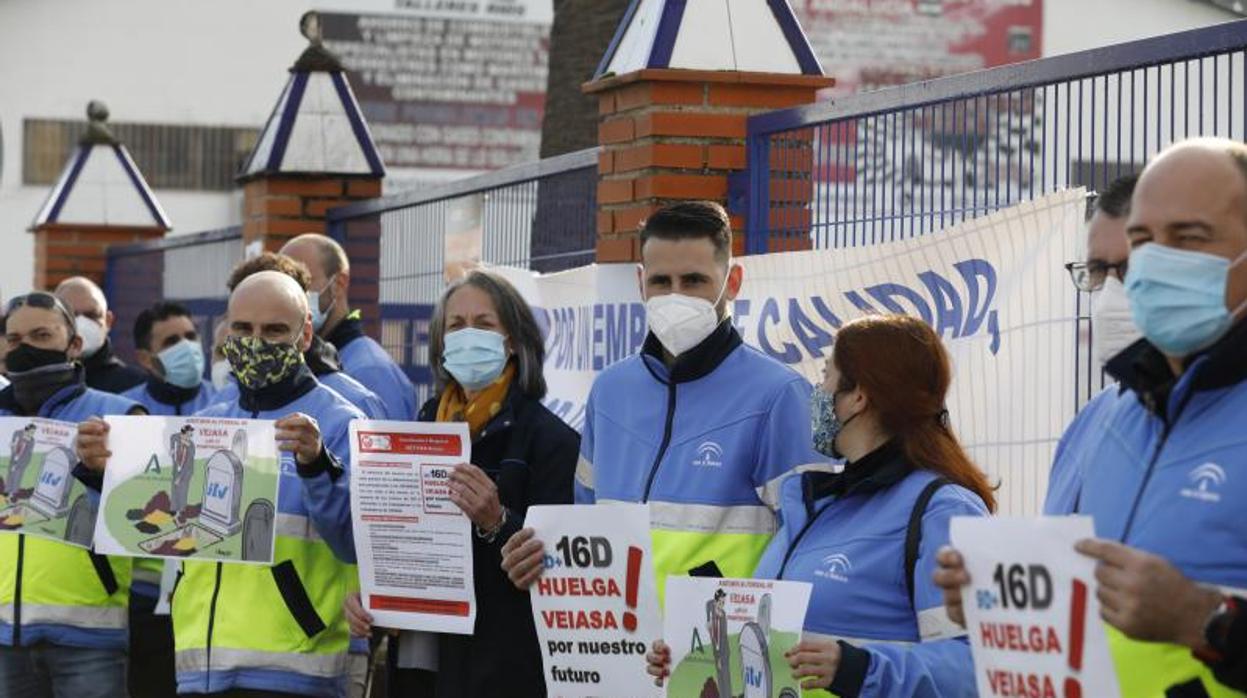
x=24, y=358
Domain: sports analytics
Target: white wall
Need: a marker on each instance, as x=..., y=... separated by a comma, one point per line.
x=1076, y=25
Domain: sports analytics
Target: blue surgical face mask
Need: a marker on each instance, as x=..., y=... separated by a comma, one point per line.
x=1177, y=297
x=474, y=358
x=183, y=364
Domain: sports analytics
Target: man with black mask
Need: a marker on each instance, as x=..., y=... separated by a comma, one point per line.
x=62, y=608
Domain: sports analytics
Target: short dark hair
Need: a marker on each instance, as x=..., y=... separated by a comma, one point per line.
x=691, y=220
x=1114, y=201
x=161, y=311
x=270, y=261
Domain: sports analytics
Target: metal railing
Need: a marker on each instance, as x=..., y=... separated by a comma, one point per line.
x=539, y=215
x=189, y=269
x=899, y=162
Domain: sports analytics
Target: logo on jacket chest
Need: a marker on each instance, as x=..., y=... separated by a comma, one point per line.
x=1205, y=482
x=835, y=567
x=709, y=455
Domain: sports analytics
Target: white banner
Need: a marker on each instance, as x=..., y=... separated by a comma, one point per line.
x=993, y=287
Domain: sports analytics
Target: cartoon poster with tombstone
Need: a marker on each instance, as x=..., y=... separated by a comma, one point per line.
x=190, y=488
x=728, y=636
x=39, y=494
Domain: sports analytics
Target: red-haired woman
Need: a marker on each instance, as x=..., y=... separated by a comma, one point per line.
x=866, y=538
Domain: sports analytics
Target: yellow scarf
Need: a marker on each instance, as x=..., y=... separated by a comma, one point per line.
x=454, y=405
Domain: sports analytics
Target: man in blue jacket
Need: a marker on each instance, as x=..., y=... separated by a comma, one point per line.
x=1166, y=483
x=321, y=356
x=276, y=629
x=362, y=357
x=698, y=425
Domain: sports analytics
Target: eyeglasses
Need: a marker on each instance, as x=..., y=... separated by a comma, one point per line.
x=1090, y=276
x=40, y=299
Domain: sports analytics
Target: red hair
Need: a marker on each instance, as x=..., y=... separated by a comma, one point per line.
x=901, y=365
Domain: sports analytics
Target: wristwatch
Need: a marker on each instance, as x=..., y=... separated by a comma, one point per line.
x=489, y=535
x=1217, y=631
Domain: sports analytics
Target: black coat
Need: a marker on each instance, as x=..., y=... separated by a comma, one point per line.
x=531, y=454
x=110, y=374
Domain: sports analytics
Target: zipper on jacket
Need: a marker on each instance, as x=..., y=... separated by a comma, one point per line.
x=17, y=590
x=666, y=440
x=1151, y=465
x=216, y=591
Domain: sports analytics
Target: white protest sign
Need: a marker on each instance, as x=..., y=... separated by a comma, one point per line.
x=413, y=545
x=39, y=494
x=595, y=604
x=733, y=633
x=1031, y=609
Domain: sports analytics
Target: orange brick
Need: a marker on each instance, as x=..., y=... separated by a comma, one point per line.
x=616, y=130
x=605, y=223
x=769, y=96
x=673, y=155
x=614, y=191
x=691, y=124
x=291, y=226
x=297, y=187
x=795, y=159
x=363, y=188
x=644, y=94
x=671, y=186
x=275, y=206
x=622, y=249
x=606, y=103
x=798, y=190
x=726, y=157
x=55, y=251
x=790, y=218
x=109, y=235
x=632, y=218
x=606, y=162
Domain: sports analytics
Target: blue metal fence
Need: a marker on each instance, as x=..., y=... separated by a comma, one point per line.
x=539, y=215
x=189, y=269
x=892, y=164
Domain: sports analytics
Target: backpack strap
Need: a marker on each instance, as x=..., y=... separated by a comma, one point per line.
x=913, y=532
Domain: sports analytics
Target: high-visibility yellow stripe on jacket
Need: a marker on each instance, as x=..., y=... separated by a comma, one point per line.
x=704, y=442
x=57, y=593
x=277, y=627
x=1149, y=669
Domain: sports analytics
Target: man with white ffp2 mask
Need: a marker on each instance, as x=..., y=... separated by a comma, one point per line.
x=698, y=425
x=1112, y=328
x=93, y=321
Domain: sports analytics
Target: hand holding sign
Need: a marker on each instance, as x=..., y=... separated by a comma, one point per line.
x=1033, y=623
x=299, y=434
x=92, y=444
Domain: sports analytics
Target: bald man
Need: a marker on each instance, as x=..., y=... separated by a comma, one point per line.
x=1169, y=481
x=93, y=321
x=362, y=357
x=276, y=629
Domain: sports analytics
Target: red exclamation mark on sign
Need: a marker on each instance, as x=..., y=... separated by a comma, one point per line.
x=630, y=587
x=1077, y=631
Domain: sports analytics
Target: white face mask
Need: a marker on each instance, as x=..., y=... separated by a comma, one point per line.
x=682, y=322
x=1112, y=326
x=92, y=333
x=220, y=374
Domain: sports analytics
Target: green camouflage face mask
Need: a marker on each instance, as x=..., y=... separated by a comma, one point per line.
x=258, y=363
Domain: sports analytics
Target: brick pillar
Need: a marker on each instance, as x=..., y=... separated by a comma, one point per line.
x=671, y=134
x=278, y=207
x=63, y=250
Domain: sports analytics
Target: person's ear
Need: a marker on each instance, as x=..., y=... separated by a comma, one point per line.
x=735, y=278
x=1236, y=288
x=108, y=321
x=640, y=281
x=305, y=335
x=342, y=284
x=146, y=360
x=74, y=350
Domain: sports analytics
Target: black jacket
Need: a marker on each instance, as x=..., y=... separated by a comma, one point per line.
x=110, y=374
x=531, y=454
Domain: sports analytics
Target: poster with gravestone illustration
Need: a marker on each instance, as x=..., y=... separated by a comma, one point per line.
x=190, y=488
x=39, y=494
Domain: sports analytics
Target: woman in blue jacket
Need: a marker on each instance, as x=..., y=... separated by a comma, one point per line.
x=866, y=538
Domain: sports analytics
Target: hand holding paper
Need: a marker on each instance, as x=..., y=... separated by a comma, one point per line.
x=92, y=444
x=299, y=434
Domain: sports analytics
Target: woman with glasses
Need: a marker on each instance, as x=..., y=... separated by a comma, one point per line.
x=63, y=609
